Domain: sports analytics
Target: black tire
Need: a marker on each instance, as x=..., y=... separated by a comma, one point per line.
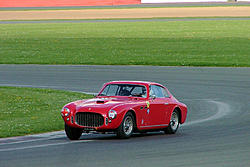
x=174, y=123
x=73, y=133
x=127, y=126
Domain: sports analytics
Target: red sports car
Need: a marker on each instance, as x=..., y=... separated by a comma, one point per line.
x=125, y=107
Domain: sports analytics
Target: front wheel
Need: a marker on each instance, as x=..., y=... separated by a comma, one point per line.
x=126, y=128
x=174, y=123
x=73, y=133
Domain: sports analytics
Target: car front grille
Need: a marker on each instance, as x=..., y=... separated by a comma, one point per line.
x=89, y=119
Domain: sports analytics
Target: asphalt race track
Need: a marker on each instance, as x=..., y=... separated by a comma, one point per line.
x=216, y=134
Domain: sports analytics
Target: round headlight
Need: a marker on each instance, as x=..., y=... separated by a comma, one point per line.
x=65, y=112
x=112, y=114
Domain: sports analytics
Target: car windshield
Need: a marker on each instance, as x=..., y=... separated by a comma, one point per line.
x=124, y=90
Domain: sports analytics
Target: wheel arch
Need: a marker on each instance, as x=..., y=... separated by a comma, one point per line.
x=134, y=115
x=120, y=130
x=177, y=108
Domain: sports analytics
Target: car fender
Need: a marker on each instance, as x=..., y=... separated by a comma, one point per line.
x=183, y=111
x=121, y=112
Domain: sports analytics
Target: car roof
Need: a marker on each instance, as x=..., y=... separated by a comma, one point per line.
x=133, y=82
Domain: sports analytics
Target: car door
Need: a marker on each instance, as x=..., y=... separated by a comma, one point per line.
x=158, y=106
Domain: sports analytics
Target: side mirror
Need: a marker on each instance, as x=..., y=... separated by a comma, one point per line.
x=153, y=97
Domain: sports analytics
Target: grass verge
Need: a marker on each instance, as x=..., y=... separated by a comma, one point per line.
x=185, y=43
x=130, y=19
x=26, y=111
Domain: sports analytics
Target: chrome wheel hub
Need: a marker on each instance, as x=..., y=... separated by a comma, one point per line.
x=174, y=122
x=128, y=125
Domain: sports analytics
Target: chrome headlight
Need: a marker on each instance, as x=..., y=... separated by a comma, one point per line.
x=112, y=114
x=65, y=112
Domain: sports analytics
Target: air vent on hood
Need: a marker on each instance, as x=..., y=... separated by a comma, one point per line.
x=100, y=102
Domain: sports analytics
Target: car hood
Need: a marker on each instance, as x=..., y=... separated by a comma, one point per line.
x=100, y=104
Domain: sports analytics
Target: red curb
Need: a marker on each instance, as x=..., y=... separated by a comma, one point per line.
x=60, y=3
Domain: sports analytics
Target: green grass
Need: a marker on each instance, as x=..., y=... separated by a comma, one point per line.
x=146, y=19
x=26, y=111
x=175, y=43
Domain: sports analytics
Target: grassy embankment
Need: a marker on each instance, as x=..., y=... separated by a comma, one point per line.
x=29, y=110
x=185, y=43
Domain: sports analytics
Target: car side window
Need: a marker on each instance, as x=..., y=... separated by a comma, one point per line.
x=165, y=93
x=158, y=91
x=139, y=91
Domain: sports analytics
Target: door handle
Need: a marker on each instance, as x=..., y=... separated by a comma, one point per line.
x=166, y=103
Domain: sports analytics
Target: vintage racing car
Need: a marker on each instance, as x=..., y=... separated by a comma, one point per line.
x=125, y=107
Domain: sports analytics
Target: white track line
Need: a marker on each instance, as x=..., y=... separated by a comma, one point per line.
x=31, y=140
x=44, y=145
x=48, y=87
x=223, y=109
x=43, y=136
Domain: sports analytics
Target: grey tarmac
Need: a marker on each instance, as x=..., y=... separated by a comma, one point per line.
x=121, y=20
x=216, y=132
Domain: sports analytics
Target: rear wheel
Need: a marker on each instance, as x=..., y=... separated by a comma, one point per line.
x=126, y=128
x=73, y=133
x=174, y=123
